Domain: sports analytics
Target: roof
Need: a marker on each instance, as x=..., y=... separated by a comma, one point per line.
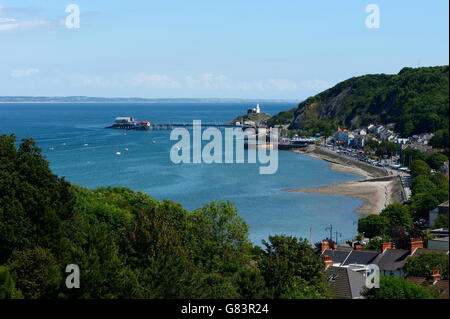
x=338, y=256
x=391, y=259
x=420, y=251
x=344, y=257
x=441, y=286
x=361, y=257
x=344, y=282
x=438, y=243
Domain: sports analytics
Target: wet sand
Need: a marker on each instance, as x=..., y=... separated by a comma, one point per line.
x=376, y=192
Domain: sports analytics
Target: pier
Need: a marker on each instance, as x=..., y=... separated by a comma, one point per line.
x=132, y=125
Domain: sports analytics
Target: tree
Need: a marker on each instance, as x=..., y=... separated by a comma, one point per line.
x=8, y=285
x=436, y=160
x=397, y=214
x=422, y=203
x=287, y=260
x=386, y=148
x=419, y=167
x=373, y=225
x=219, y=237
x=440, y=139
x=250, y=283
x=441, y=221
x=420, y=266
x=396, y=288
x=37, y=271
x=422, y=184
x=300, y=290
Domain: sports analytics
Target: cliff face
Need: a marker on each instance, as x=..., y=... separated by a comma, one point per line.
x=415, y=99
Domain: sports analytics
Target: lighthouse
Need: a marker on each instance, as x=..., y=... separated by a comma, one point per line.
x=257, y=109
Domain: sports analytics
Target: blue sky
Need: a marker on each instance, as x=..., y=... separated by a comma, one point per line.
x=210, y=48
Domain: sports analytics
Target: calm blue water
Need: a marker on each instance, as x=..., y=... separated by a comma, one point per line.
x=146, y=166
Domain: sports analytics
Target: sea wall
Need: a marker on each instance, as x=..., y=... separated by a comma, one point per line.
x=333, y=157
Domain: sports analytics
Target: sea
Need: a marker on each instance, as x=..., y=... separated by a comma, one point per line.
x=77, y=144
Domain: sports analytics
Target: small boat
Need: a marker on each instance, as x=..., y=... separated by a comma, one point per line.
x=63, y=144
x=118, y=153
x=126, y=148
x=51, y=148
x=85, y=144
x=154, y=142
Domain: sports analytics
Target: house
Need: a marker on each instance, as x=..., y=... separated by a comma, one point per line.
x=345, y=283
x=433, y=214
x=433, y=282
x=418, y=146
x=438, y=244
x=356, y=259
x=391, y=261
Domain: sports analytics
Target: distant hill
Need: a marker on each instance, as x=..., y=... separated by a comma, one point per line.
x=88, y=99
x=415, y=99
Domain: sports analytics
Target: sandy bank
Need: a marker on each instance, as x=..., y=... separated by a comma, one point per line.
x=376, y=194
x=376, y=189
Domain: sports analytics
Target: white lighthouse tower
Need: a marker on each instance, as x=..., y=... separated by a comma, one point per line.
x=257, y=109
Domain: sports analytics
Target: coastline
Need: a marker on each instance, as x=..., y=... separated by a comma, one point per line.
x=377, y=189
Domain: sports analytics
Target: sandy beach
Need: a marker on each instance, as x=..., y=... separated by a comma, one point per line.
x=376, y=191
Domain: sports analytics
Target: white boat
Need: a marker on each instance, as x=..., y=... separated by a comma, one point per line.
x=118, y=153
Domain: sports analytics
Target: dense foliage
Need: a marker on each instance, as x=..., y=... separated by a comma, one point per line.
x=129, y=245
x=421, y=265
x=415, y=99
x=397, y=288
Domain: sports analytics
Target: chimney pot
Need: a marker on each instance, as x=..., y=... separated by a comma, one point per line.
x=415, y=243
x=435, y=275
x=388, y=245
x=324, y=245
x=328, y=261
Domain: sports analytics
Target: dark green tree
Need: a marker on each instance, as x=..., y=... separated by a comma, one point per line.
x=420, y=266
x=287, y=260
x=397, y=288
x=373, y=225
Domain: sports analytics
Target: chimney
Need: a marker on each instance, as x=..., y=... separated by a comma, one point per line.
x=328, y=261
x=415, y=243
x=435, y=275
x=388, y=245
x=324, y=245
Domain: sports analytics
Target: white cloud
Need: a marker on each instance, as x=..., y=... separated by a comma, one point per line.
x=204, y=81
x=94, y=81
x=160, y=81
x=11, y=24
x=287, y=85
x=207, y=81
x=24, y=73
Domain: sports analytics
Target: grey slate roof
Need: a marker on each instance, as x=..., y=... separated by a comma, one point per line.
x=392, y=259
x=439, y=244
x=344, y=258
x=344, y=282
x=420, y=251
x=361, y=257
x=338, y=256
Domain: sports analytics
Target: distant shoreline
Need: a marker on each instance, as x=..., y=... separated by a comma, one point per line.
x=152, y=101
x=377, y=190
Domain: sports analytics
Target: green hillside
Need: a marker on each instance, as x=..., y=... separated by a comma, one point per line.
x=416, y=100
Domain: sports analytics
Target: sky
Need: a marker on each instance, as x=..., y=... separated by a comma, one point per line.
x=212, y=48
